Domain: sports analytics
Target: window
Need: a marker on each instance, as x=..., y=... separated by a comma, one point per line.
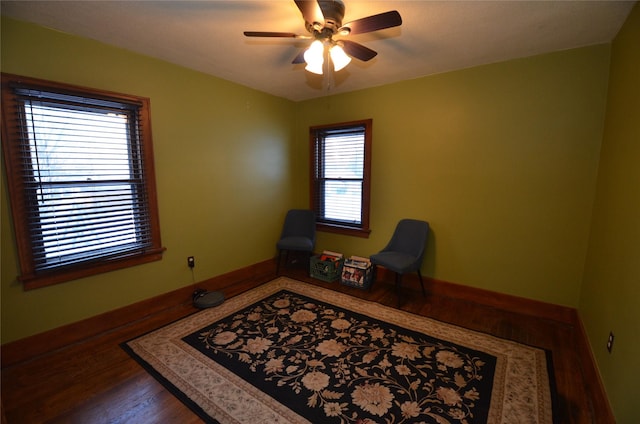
x=81, y=180
x=341, y=175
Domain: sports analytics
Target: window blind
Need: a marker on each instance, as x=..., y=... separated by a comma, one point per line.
x=339, y=175
x=81, y=168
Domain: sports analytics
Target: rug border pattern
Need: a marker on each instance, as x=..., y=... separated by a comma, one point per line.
x=231, y=400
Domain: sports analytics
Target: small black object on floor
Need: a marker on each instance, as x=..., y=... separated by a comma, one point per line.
x=203, y=299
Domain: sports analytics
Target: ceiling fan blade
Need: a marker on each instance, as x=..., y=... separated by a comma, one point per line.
x=311, y=11
x=373, y=23
x=273, y=34
x=357, y=50
x=299, y=58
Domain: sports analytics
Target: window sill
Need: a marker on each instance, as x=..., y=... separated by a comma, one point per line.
x=340, y=229
x=37, y=281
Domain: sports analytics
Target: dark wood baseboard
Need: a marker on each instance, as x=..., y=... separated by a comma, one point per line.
x=514, y=304
x=601, y=405
x=236, y=281
x=506, y=302
x=559, y=326
x=34, y=346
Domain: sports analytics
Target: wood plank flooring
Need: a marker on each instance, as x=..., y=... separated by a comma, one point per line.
x=95, y=381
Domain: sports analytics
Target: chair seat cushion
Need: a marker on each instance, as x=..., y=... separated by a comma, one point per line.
x=395, y=261
x=304, y=244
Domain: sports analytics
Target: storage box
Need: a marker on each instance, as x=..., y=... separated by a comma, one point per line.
x=326, y=267
x=357, y=272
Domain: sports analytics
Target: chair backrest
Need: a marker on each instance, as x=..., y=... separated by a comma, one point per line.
x=410, y=236
x=300, y=222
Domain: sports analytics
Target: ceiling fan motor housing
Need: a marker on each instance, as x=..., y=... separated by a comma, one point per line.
x=333, y=11
x=323, y=20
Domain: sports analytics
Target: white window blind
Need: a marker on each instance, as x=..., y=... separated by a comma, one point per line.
x=339, y=181
x=82, y=169
x=79, y=162
x=340, y=176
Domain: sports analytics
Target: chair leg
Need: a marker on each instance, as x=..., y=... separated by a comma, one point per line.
x=278, y=263
x=374, y=275
x=424, y=294
x=308, y=263
x=399, y=287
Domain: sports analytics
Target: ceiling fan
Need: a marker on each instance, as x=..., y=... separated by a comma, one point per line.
x=323, y=20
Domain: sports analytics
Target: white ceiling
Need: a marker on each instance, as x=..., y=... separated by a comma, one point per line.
x=435, y=37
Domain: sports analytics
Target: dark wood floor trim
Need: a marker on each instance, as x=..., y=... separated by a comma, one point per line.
x=600, y=401
x=34, y=346
x=506, y=302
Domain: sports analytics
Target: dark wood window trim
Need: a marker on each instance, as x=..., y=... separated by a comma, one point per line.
x=362, y=228
x=17, y=164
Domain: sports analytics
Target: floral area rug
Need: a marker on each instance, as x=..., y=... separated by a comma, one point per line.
x=292, y=352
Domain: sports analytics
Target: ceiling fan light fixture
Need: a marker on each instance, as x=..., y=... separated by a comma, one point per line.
x=314, y=69
x=339, y=58
x=314, y=56
x=323, y=20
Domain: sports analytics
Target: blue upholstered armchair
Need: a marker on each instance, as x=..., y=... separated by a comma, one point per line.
x=405, y=251
x=298, y=234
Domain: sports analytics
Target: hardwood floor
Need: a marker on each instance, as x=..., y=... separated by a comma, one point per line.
x=95, y=381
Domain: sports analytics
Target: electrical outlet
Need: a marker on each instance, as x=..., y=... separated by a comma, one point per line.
x=610, y=341
x=191, y=261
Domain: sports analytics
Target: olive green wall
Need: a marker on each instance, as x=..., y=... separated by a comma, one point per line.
x=222, y=159
x=611, y=291
x=500, y=159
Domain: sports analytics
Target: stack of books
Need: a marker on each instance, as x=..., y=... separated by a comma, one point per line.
x=358, y=262
x=356, y=272
x=328, y=255
x=326, y=266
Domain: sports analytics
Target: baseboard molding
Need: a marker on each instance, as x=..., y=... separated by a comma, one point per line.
x=39, y=344
x=601, y=406
x=563, y=314
x=34, y=346
x=506, y=302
